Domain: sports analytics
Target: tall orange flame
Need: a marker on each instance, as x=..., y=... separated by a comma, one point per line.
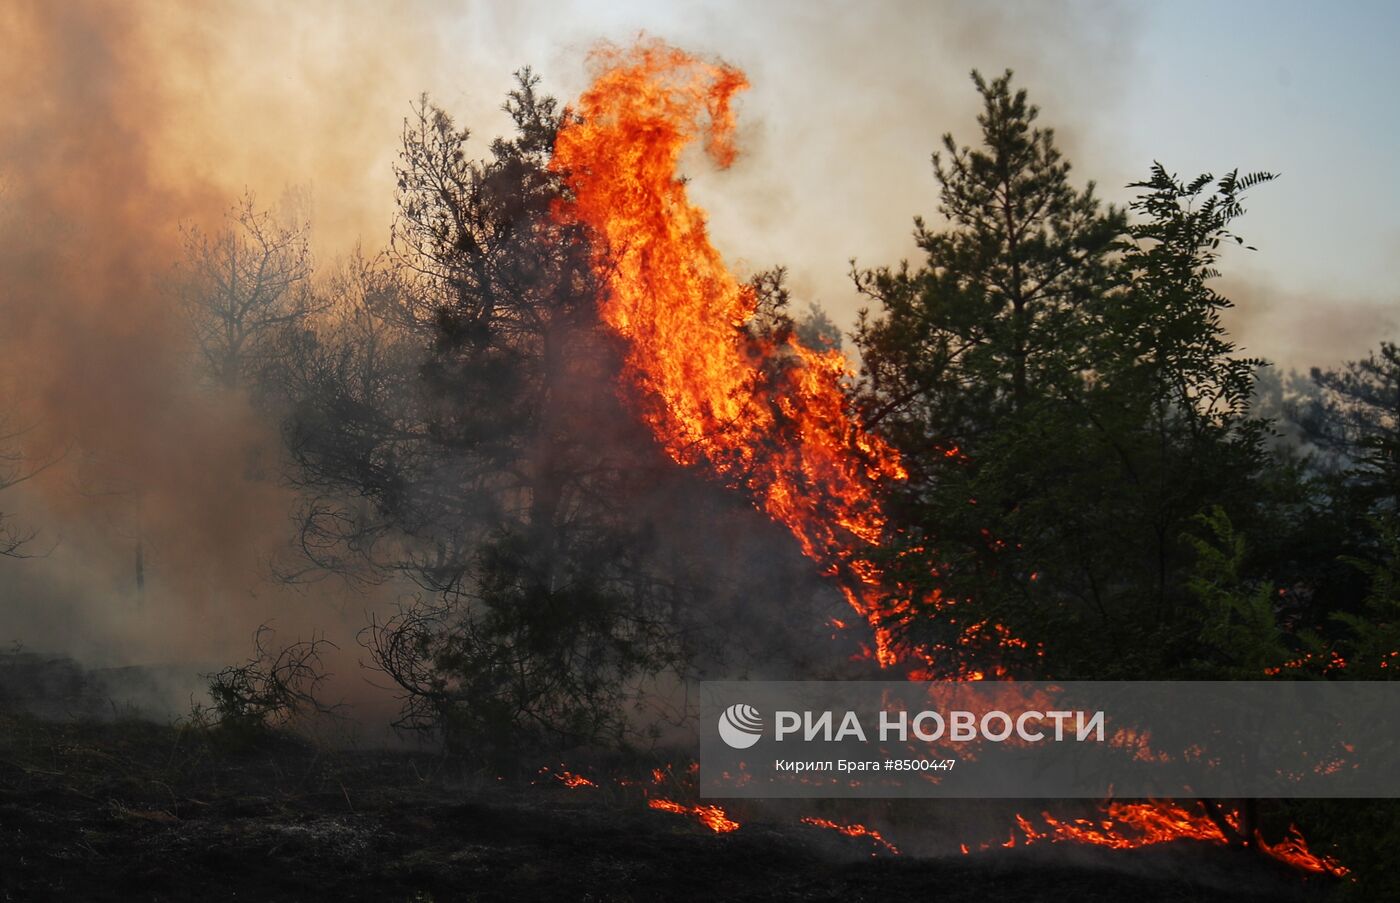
x=771, y=416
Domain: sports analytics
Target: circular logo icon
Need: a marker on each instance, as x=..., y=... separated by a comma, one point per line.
x=741, y=726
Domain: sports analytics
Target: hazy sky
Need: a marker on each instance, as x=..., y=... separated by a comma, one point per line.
x=1306, y=90
x=848, y=100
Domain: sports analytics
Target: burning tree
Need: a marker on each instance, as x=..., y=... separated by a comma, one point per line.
x=457, y=423
x=719, y=389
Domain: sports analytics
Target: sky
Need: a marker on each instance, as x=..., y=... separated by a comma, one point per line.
x=849, y=100
x=1305, y=90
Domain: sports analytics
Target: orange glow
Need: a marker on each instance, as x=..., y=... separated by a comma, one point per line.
x=1132, y=825
x=568, y=778
x=853, y=831
x=770, y=416
x=712, y=817
x=1293, y=850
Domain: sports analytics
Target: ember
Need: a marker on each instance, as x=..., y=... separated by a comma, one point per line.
x=712, y=817
x=573, y=781
x=1133, y=825
x=854, y=831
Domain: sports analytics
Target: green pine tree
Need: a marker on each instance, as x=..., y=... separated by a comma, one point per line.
x=1066, y=399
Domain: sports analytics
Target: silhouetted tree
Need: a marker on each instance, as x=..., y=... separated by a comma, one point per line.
x=1066, y=398
x=16, y=468
x=1358, y=416
x=241, y=286
x=460, y=426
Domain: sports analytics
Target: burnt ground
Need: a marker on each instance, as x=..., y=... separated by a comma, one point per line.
x=140, y=811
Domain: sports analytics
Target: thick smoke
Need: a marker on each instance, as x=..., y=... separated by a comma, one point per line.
x=94, y=359
x=156, y=502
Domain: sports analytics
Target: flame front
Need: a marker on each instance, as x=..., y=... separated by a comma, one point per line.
x=853, y=830
x=1127, y=826
x=712, y=817
x=771, y=417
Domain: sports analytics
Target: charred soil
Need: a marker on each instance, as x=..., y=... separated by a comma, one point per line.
x=130, y=810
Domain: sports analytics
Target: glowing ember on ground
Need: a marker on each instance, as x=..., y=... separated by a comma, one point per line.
x=567, y=778
x=1133, y=825
x=712, y=817
x=1293, y=850
x=853, y=831
x=1130, y=825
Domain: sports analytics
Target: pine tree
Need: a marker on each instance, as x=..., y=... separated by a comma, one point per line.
x=969, y=352
x=1066, y=400
x=988, y=323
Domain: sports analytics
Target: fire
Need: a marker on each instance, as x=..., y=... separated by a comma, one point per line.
x=574, y=781
x=712, y=817
x=853, y=831
x=771, y=416
x=1293, y=850
x=1129, y=826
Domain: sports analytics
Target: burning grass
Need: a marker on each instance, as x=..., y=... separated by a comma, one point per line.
x=712, y=817
x=854, y=830
x=1127, y=826
x=1119, y=825
x=116, y=810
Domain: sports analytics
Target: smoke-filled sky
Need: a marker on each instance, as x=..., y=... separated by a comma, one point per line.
x=119, y=121
x=848, y=100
